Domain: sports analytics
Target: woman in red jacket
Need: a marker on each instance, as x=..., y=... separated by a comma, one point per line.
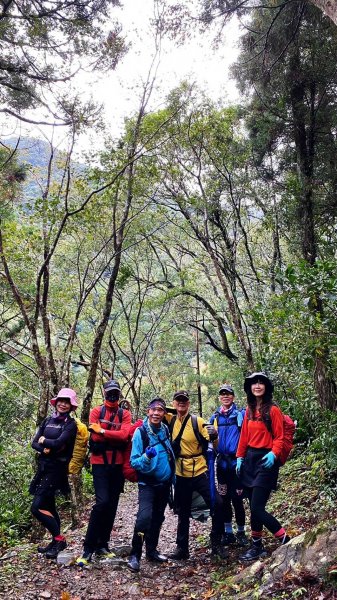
x=259, y=447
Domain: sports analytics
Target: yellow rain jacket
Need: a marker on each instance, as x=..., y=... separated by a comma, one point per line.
x=191, y=461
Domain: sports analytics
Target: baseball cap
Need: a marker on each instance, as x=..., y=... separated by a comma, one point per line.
x=226, y=388
x=111, y=385
x=182, y=395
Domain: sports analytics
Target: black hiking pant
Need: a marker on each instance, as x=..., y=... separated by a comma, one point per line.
x=184, y=488
x=108, y=483
x=152, y=500
x=46, y=502
x=258, y=498
x=231, y=492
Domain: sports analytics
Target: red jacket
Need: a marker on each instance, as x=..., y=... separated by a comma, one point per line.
x=256, y=435
x=117, y=435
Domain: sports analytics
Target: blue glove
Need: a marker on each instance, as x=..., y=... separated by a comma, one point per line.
x=150, y=452
x=268, y=460
x=239, y=463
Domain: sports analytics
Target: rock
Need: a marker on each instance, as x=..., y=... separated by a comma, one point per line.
x=310, y=552
x=254, y=570
x=45, y=594
x=8, y=555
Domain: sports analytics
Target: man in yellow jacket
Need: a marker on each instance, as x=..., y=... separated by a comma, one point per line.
x=192, y=474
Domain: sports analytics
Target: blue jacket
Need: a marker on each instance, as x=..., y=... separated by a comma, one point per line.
x=229, y=429
x=161, y=467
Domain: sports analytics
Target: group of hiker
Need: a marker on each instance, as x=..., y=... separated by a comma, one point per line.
x=168, y=453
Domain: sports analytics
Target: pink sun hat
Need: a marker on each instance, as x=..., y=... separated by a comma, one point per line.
x=67, y=393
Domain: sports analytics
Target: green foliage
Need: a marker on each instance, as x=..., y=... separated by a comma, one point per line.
x=212, y=242
x=42, y=47
x=16, y=472
x=288, y=337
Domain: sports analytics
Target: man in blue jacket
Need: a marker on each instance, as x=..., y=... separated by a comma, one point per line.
x=152, y=457
x=228, y=420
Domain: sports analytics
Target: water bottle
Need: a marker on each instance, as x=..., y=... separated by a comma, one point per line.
x=66, y=558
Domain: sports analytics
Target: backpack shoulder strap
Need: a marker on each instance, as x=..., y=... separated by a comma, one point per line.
x=239, y=417
x=167, y=432
x=196, y=431
x=200, y=438
x=144, y=436
x=119, y=414
x=171, y=425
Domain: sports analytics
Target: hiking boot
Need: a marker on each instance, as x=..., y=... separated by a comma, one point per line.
x=180, y=554
x=57, y=546
x=85, y=559
x=255, y=551
x=104, y=553
x=228, y=539
x=133, y=563
x=242, y=539
x=44, y=549
x=156, y=557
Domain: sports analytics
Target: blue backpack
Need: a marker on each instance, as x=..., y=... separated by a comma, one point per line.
x=229, y=429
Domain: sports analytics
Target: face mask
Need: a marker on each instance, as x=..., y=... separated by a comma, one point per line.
x=112, y=395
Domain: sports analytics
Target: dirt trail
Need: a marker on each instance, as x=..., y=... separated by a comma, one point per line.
x=26, y=575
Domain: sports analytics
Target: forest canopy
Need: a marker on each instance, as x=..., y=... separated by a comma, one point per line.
x=197, y=246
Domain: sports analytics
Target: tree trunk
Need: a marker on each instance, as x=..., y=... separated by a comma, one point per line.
x=304, y=136
x=76, y=491
x=325, y=385
x=46, y=393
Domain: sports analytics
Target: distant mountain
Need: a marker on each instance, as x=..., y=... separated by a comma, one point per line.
x=33, y=151
x=36, y=153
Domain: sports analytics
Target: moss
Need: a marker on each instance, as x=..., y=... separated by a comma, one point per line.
x=312, y=535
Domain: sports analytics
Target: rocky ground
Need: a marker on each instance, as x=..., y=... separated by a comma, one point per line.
x=26, y=575
x=300, y=505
